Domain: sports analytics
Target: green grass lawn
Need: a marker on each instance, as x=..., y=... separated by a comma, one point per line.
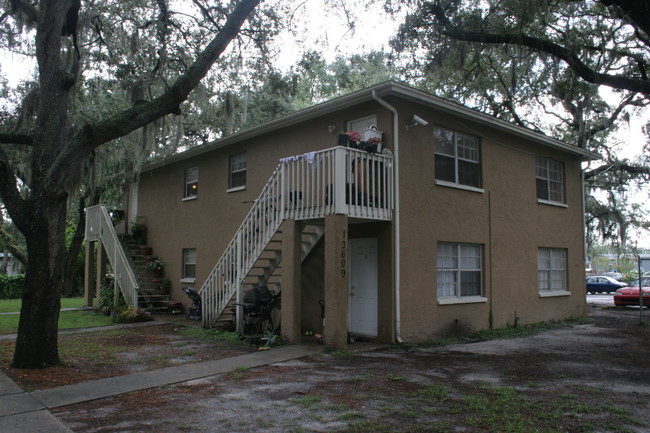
x=13, y=305
x=67, y=319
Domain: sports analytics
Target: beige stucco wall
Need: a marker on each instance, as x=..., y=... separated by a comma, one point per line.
x=209, y=222
x=505, y=218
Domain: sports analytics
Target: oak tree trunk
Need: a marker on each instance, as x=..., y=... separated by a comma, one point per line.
x=37, y=340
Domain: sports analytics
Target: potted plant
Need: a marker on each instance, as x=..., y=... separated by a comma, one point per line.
x=165, y=286
x=139, y=231
x=156, y=266
x=354, y=139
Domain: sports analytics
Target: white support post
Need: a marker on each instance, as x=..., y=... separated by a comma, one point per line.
x=239, y=318
x=284, y=192
x=340, y=180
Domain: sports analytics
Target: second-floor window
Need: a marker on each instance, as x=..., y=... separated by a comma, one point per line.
x=237, y=171
x=191, y=182
x=457, y=157
x=550, y=180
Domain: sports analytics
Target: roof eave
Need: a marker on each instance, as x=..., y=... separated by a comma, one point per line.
x=365, y=95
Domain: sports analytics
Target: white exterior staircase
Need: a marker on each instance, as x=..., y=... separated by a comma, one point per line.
x=306, y=188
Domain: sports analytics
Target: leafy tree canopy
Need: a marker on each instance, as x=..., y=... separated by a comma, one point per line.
x=110, y=74
x=545, y=65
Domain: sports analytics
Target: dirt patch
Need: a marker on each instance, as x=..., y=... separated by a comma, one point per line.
x=587, y=378
x=110, y=353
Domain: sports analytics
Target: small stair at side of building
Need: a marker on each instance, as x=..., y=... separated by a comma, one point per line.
x=150, y=297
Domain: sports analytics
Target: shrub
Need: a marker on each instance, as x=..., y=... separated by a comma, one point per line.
x=131, y=315
x=11, y=286
x=107, y=297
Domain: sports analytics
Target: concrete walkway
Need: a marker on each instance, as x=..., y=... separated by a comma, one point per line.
x=27, y=412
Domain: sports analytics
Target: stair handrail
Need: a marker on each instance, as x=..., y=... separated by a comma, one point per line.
x=249, y=241
x=99, y=227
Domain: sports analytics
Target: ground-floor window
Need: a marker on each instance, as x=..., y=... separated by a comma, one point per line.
x=459, y=270
x=189, y=263
x=551, y=269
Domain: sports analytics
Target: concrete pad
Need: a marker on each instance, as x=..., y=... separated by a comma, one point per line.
x=95, y=389
x=18, y=403
x=32, y=422
x=7, y=386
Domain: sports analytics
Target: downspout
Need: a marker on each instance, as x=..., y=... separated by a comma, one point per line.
x=584, y=213
x=396, y=255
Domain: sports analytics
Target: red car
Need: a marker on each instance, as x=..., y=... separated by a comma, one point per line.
x=630, y=295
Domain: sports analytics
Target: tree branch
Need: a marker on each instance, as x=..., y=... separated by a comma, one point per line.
x=618, y=166
x=12, y=138
x=92, y=136
x=12, y=247
x=26, y=8
x=636, y=12
x=541, y=45
x=10, y=196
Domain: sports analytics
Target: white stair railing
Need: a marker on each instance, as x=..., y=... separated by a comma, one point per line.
x=338, y=180
x=99, y=227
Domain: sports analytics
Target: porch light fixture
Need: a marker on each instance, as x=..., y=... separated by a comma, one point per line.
x=416, y=121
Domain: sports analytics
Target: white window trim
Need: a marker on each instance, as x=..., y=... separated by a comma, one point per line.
x=448, y=184
x=458, y=298
x=194, y=197
x=237, y=188
x=462, y=300
x=456, y=183
x=371, y=120
x=548, y=180
x=553, y=293
x=231, y=172
x=184, y=264
x=552, y=203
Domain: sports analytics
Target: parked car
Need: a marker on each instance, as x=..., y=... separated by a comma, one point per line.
x=616, y=275
x=630, y=295
x=603, y=284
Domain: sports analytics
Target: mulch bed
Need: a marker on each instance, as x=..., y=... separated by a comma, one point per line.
x=110, y=353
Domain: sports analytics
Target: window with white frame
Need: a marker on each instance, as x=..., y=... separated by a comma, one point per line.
x=459, y=270
x=237, y=171
x=189, y=263
x=191, y=182
x=550, y=180
x=362, y=124
x=457, y=157
x=551, y=270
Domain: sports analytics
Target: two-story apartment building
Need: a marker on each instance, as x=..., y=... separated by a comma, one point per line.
x=458, y=222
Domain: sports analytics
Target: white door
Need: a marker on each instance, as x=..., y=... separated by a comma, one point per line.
x=362, y=287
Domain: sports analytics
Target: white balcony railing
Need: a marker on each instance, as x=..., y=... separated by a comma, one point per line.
x=99, y=227
x=334, y=181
